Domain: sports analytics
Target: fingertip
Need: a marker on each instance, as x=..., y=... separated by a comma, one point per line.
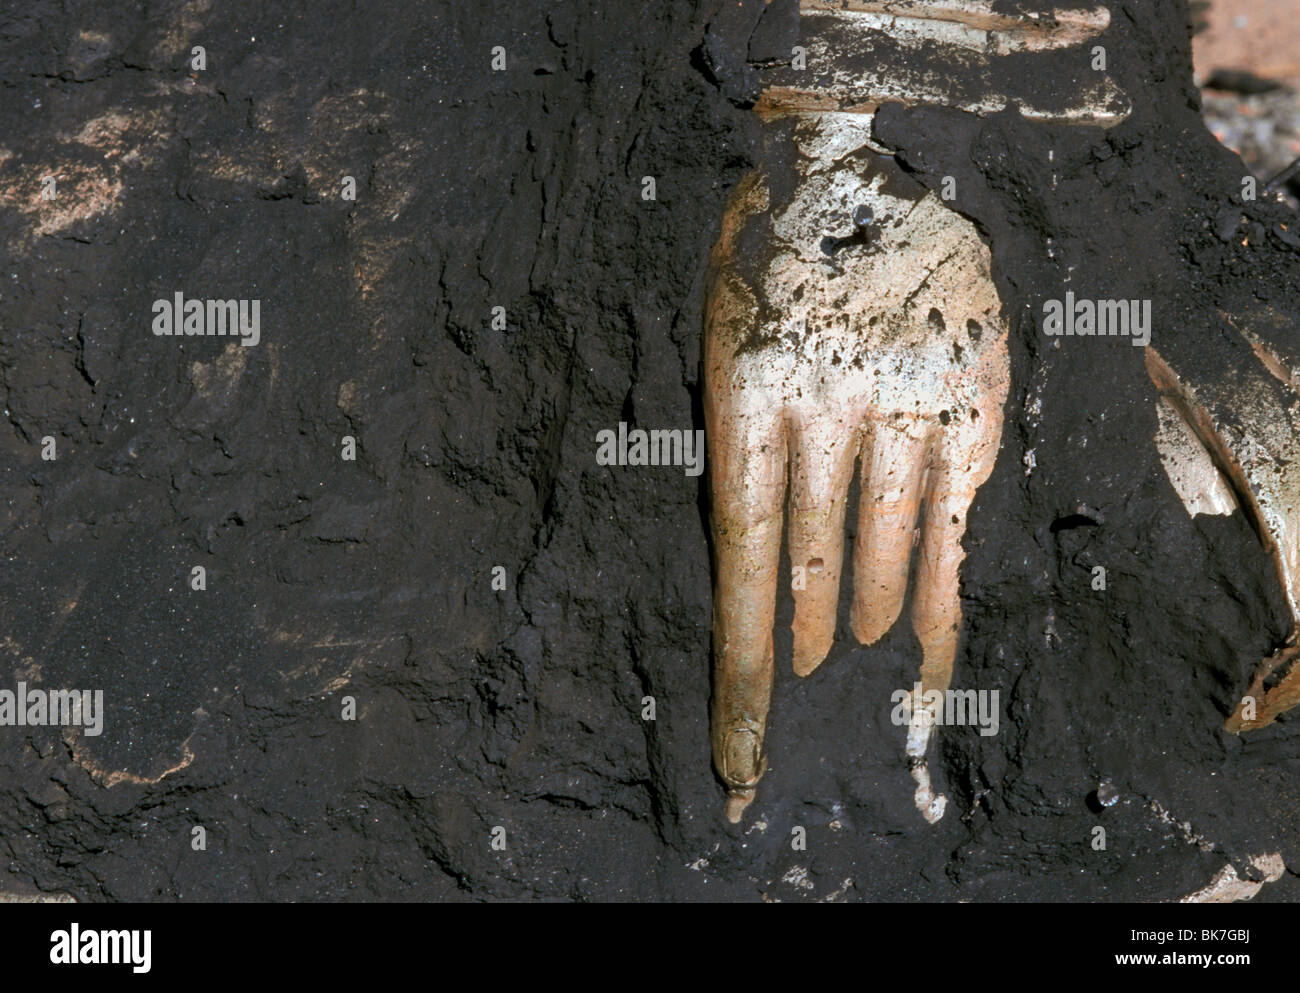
x=807, y=657
x=737, y=804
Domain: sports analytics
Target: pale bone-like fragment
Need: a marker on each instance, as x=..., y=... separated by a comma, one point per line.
x=1228, y=887
x=849, y=321
x=839, y=74
x=6, y=897
x=967, y=25
x=1190, y=469
x=1249, y=425
x=1062, y=28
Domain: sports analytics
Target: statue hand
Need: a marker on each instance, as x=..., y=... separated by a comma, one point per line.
x=829, y=341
